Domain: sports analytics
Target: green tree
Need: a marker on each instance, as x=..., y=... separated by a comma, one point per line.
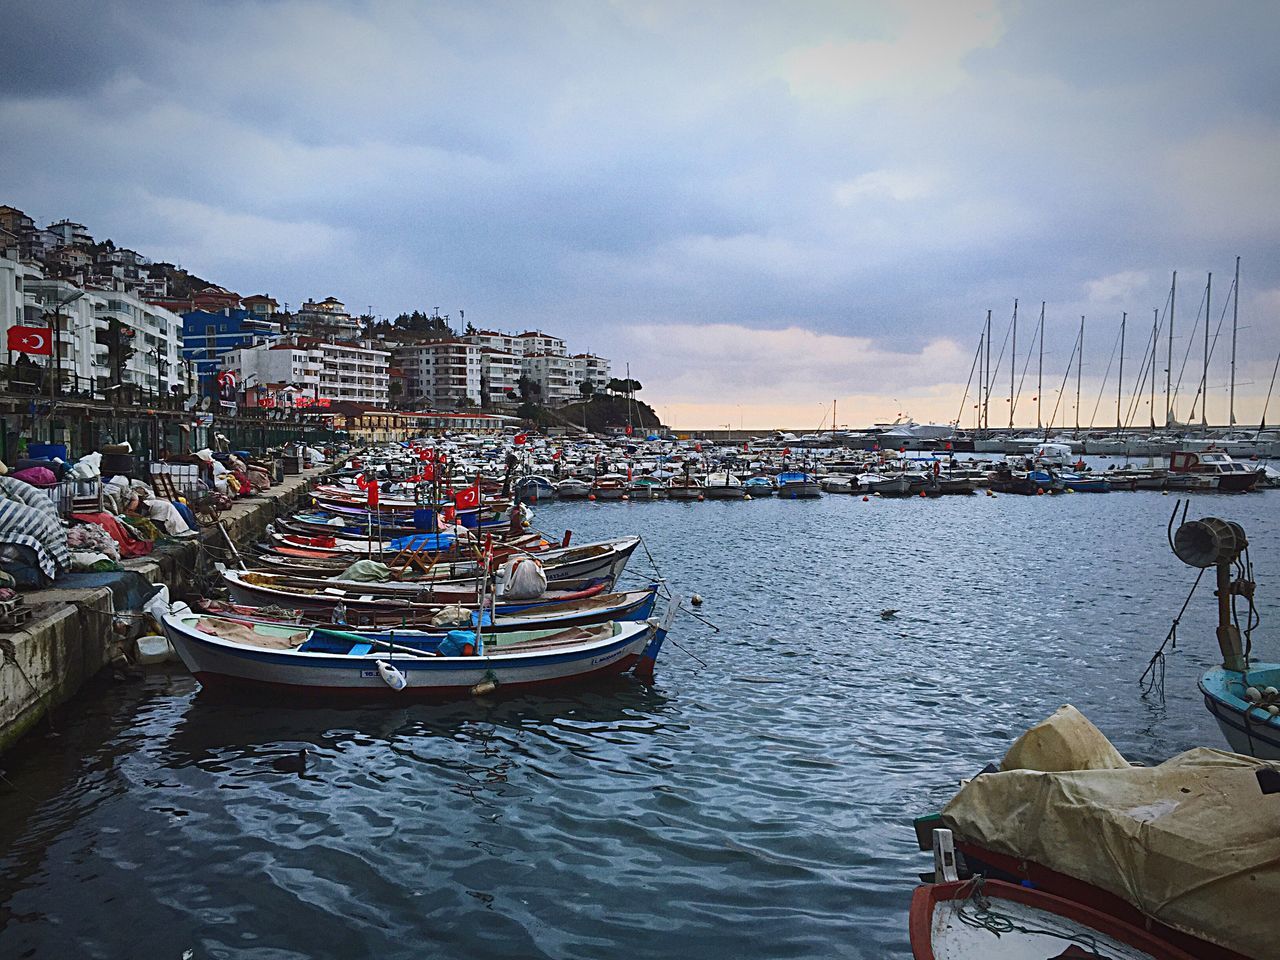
x=587, y=389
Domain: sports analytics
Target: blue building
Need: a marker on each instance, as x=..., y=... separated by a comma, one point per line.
x=207, y=336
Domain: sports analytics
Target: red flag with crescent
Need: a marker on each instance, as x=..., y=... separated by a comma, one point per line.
x=37, y=340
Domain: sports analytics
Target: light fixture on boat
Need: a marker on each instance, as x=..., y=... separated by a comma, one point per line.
x=1209, y=542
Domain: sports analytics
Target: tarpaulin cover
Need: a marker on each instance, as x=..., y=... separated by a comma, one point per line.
x=1193, y=842
x=424, y=541
x=367, y=571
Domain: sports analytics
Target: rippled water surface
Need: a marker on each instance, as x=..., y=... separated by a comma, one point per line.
x=756, y=802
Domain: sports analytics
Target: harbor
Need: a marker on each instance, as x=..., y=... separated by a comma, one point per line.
x=638, y=480
x=778, y=760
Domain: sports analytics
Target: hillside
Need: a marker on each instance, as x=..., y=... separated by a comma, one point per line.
x=603, y=413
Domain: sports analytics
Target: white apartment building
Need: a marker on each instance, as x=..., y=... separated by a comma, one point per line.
x=494, y=340
x=554, y=376
x=267, y=369
x=82, y=336
x=316, y=369
x=587, y=366
x=444, y=373
x=499, y=375
x=537, y=343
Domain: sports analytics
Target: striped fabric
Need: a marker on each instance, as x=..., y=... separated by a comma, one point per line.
x=28, y=517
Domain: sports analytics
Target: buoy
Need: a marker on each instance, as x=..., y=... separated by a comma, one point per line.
x=391, y=676
x=1164, y=493
x=484, y=688
x=1039, y=491
x=1273, y=710
x=625, y=497
x=1253, y=694
x=591, y=496
x=1271, y=692
x=866, y=499
x=990, y=493
x=696, y=599
x=923, y=494
x=701, y=498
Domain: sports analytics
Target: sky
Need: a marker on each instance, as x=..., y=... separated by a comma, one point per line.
x=762, y=208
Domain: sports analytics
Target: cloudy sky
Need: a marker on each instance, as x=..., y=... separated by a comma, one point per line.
x=761, y=206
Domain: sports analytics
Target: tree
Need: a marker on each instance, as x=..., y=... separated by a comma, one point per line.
x=587, y=389
x=529, y=389
x=623, y=386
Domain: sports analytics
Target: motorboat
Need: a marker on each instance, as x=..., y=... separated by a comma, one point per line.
x=572, y=488
x=1232, y=477
x=723, y=486
x=796, y=485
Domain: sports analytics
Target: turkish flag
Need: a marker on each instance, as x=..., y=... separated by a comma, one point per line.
x=38, y=340
x=427, y=472
x=556, y=455
x=373, y=494
x=786, y=451
x=468, y=498
x=520, y=438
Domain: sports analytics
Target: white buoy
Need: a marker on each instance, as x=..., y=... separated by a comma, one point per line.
x=696, y=599
x=391, y=676
x=1271, y=692
x=1274, y=710
x=484, y=687
x=1253, y=694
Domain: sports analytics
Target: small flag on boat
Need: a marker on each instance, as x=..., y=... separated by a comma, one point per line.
x=373, y=494
x=468, y=498
x=520, y=438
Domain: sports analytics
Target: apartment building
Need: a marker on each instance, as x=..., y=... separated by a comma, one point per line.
x=499, y=375
x=554, y=375
x=444, y=373
x=315, y=369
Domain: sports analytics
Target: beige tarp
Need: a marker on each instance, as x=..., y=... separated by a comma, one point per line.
x=1192, y=842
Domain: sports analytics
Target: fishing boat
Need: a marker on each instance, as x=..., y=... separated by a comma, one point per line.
x=760, y=487
x=684, y=487
x=1185, y=851
x=1243, y=696
x=571, y=488
x=647, y=488
x=408, y=663
x=979, y=919
x=884, y=484
x=609, y=486
x=798, y=485
x=839, y=484
x=723, y=486
x=533, y=488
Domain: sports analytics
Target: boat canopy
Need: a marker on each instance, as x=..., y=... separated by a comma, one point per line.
x=1191, y=842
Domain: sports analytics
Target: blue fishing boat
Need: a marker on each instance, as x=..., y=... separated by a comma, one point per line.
x=1243, y=696
x=796, y=485
x=325, y=660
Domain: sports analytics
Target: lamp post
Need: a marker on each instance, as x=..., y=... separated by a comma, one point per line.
x=57, y=349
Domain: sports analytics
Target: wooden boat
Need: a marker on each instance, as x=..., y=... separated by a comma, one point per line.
x=571, y=488
x=271, y=589
x=328, y=661
x=609, y=486
x=1004, y=480
x=1244, y=718
x=798, y=485
x=990, y=920
x=840, y=484
x=504, y=618
x=684, y=487
x=647, y=488
x=533, y=488
x=723, y=486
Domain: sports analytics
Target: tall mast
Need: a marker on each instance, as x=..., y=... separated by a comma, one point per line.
x=1013, y=358
x=1168, y=373
x=977, y=407
x=986, y=403
x=1040, y=371
x=1120, y=375
x=1155, y=333
x=1235, y=317
x=1204, y=383
x=1079, y=373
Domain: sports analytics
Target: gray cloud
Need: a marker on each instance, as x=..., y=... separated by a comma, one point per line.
x=874, y=172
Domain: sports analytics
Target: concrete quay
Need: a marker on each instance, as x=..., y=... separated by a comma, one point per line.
x=71, y=634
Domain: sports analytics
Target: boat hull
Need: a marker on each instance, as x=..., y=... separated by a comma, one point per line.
x=1249, y=730
x=216, y=662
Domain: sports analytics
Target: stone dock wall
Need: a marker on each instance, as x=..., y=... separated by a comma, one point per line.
x=71, y=637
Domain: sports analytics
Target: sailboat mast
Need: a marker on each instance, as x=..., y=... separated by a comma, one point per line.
x=1235, y=317
x=986, y=403
x=1168, y=373
x=1040, y=371
x=1079, y=373
x=1204, y=383
x=977, y=407
x=1120, y=376
x=1013, y=359
x=1155, y=334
